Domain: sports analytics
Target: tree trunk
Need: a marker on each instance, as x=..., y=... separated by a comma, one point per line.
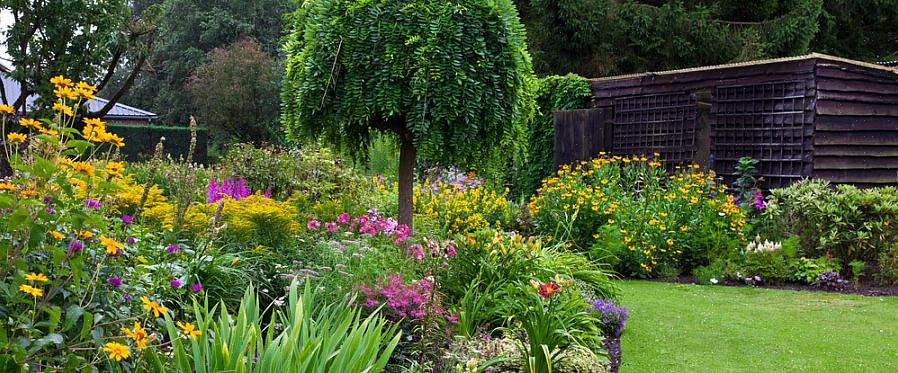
x=406, y=178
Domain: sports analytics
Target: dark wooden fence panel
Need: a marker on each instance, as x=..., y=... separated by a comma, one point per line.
x=856, y=135
x=580, y=134
x=663, y=124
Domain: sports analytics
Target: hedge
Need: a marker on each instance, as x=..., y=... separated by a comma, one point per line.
x=141, y=140
x=554, y=93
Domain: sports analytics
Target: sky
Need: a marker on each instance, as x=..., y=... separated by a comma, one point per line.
x=5, y=21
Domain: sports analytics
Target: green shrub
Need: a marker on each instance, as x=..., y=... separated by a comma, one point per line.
x=142, y=139
x=806, y=270
x=845, y=222
x=710, y=274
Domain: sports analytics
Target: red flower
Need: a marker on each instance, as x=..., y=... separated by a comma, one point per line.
x=548, y=289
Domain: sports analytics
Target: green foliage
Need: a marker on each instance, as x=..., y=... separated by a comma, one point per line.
x=142, y=139
x=888, y=265
x=857, y=270
x=236, y=94
x=863, y=30
x=313, y=338
x=549, y=324
x=806, y=270
x=746, y=181
x=600, y=37
x=455, y=76
x=847, y=222
x=553, y=93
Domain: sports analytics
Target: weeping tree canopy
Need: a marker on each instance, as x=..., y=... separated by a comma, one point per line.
x=449, y=78
x=452, y=76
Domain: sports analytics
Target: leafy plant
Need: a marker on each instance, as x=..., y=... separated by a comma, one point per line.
x=888, y=265
x=313, y=338
x=807, y=270
x=746, y=177
x=857, y=270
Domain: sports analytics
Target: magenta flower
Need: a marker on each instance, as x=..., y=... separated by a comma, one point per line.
x=453, y=318
x=75, y=247
x=313, y=225
x=173, y=248
x=343, y=218
x=114, y=281
x=176, y=284
x=331, y=227
x=131, y=240
x=89, y=203
x=127, y=219
x=416, y=251
x=450, y=249
x=233, y=188
x=196, y=287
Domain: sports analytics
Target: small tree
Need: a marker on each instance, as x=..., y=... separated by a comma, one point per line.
x=450, y=79
x=236, y=93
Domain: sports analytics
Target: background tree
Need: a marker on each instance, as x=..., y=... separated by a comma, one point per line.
x=605, y=37
x=189, y=31
x=864, y=30
x=449, y=79
x=236, y=93
x=83, y=40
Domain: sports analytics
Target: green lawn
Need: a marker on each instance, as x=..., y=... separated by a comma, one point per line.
x=692, y=328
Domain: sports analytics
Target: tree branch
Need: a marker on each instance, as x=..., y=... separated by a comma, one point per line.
x=121, y=91
x=110, y=71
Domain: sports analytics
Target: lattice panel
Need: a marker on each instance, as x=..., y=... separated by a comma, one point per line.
x=664, y=124
x=770, y=122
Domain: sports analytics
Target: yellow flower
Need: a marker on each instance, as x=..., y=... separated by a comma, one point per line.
x=57, y=235
x=85, y=90
x=684, y=228
x=117, y=351
x=653, y=222
x=113, y=247
x=15, y=137
x=83, y=167
x=85, y=234
x=66, y=93
x=30, y=123
x=95, y=122
x=6, y=109
x=669, y=242
x=36, y=277
x=114, y=168
x=63, y=108
x=7, y=186
x=138, y=334
x=33, y=291
x=61, y=81
x=153, y=306
x=189, y=329
x=693, y=200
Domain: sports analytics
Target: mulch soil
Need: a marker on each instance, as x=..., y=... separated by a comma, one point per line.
x=868, y=287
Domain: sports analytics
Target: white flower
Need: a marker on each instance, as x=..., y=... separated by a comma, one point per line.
x=714, y=281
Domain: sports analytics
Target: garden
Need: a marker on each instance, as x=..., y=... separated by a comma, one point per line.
x=475, y=254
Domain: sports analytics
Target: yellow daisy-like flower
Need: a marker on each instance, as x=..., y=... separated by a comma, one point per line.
x=31, y=290
x=154, y=306
x=112, y=139
x=189, y=329
x=30, y=123
x=7, y=186
x=36, y=277
x=6, y=109
x=114, y=168
x=61, y=81
x=96, y=122
x=86, y=234
x=65, y=93
x=83, y=167
x=117, y=351
x=669, y=242
x=16, y=138
x=113, y=247
x=57, y=235
x=138, y=334
x=85, y=90
x=63, y=108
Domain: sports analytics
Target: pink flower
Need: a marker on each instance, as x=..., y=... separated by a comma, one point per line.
x=453, y=318
x=313, y=225
x=176, y=284
x=343, y=218
x=417, y=251
x=330, y=226
x=450, y=249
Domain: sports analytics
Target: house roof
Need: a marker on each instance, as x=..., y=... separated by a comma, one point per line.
x=118, y=111
x=753, y=63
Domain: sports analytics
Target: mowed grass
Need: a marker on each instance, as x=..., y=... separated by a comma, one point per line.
x=692, y=328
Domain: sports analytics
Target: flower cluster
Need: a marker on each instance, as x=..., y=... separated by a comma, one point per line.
x=656, y=218
x=830, y=279
x=612, y=316
x=434, y=247
x=436, y=178
x=412, y=299
x=233, y=188
x=763, y=247
x=461, y=204
x=370, y=224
